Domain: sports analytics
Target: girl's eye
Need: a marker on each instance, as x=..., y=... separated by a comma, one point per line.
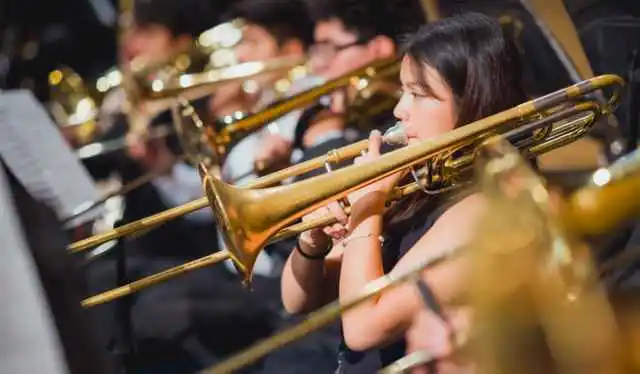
x=413, y=93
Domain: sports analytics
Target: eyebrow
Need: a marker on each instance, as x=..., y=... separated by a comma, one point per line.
x=415, y=85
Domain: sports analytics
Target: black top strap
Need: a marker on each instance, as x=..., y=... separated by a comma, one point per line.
x=429, y=299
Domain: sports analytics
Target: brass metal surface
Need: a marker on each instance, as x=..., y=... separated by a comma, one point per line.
x=378, y=70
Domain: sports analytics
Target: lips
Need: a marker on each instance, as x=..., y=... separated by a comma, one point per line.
x=413, y=140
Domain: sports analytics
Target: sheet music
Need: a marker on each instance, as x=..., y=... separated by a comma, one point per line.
x=34, y=150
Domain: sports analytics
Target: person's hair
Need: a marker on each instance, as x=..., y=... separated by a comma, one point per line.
x=476, y=61
x=283, y=19
x=180, y=17
x=481, y=67
x=371, y=18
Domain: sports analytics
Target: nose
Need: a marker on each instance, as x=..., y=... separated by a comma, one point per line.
x=243, y=54
x=130, y=47
x=400, y=111
x=319, y=64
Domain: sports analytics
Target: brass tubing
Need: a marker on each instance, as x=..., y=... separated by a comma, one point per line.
x=155, y=278
x=222, y=255
x=196, y=85
x=139, y=225
x=253, y=122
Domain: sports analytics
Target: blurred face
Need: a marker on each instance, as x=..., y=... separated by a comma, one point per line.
x=257, y=44
x=425, y=114
x=154, y=42
x=337, y=51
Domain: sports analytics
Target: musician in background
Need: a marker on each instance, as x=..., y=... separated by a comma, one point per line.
x=348, y=35
x=274, y=30
x=454, y=71
x=160, y=29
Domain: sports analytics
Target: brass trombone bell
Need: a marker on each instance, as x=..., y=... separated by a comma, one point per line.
x=247, y=218
x=72, y=107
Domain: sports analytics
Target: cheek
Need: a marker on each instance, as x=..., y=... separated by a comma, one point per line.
x=347, y=62
x=157, y=47
x=436, y=118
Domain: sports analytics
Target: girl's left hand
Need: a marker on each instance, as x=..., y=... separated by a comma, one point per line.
x=381, y=188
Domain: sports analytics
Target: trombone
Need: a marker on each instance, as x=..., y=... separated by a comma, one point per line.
x=535, y=127
x=557, y=230
x=159, y=88
x=203, y=142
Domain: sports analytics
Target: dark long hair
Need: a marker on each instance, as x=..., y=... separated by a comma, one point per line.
x=478, y=63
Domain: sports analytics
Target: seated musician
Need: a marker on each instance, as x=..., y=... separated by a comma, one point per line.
x=348, y=35
x=159, y=30
x=454, y=71
x=274, y=30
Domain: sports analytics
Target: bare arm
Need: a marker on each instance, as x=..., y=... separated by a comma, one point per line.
x=309, y=284
x=386, y=318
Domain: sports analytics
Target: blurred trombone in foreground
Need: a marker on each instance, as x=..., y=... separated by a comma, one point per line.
x=444, y=163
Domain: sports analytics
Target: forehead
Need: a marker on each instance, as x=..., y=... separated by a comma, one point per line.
x=408, y=70
x=255, y=31
x=412, y=71
x=333, y=30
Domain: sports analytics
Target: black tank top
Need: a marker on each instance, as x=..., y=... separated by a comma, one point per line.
x=396, y=245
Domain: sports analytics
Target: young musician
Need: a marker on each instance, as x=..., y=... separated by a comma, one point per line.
x=348, y=35
x=274, y=30
x=454, y=71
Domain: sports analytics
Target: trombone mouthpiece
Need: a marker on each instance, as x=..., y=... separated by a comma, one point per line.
x=396, y=135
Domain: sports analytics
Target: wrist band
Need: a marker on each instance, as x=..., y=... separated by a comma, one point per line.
x=319, y=256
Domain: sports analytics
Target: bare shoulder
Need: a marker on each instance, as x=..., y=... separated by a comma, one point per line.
x=453, y=229
x=469, y=207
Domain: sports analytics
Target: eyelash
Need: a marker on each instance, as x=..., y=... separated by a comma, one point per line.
x=413, y=94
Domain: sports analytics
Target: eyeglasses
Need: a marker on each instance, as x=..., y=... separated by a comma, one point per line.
x=329, y=50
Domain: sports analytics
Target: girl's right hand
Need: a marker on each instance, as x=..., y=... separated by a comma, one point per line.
x=315, y=241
